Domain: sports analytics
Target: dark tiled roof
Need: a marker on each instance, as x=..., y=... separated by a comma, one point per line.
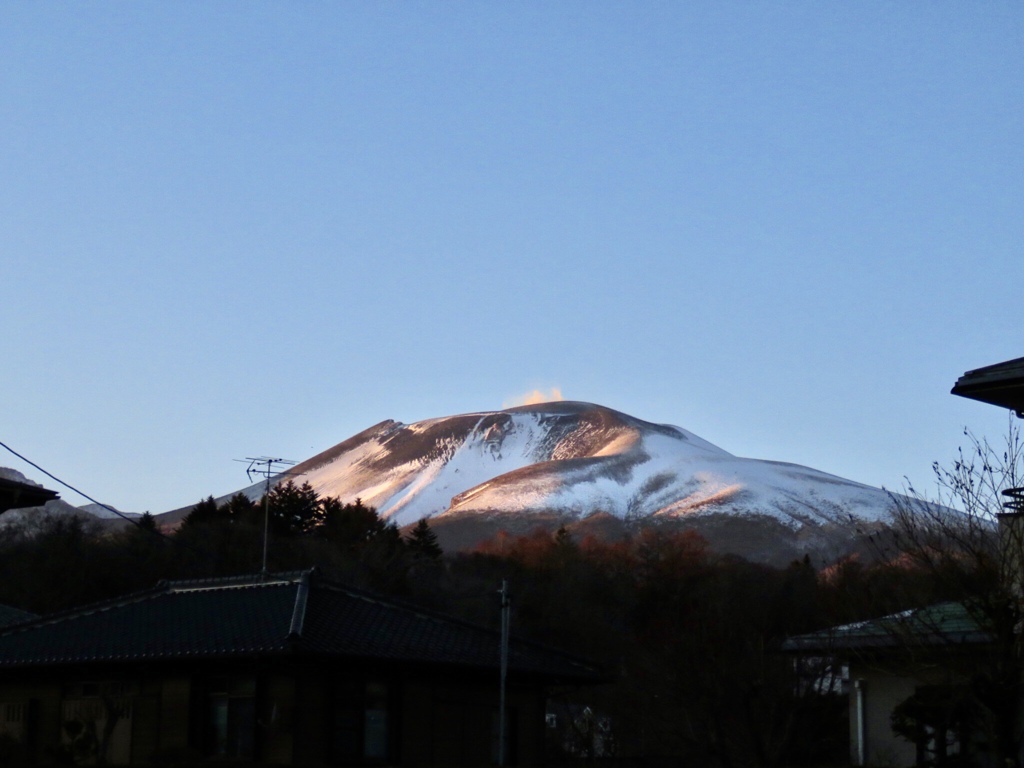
x=9, y=616
x=292, y=613
x=340, y=620
x=943, y=624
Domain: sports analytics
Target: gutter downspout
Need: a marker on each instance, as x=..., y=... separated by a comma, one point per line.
x=299, y=610
x=859, y=691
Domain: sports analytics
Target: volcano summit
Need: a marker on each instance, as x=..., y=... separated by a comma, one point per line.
x=580, y=465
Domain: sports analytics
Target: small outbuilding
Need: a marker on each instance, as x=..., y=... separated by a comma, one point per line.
x=907, y=674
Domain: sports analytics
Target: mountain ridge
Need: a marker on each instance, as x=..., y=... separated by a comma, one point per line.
x=572, y=459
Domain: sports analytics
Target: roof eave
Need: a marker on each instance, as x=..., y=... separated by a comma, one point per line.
x=834, y=645
x=1001, y=384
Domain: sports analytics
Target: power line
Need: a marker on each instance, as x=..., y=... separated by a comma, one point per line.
x=84, y=495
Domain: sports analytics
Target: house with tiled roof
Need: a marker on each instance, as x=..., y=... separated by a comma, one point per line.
x=288, y=669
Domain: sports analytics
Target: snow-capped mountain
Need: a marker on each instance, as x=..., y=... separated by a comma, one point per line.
x=571, y=460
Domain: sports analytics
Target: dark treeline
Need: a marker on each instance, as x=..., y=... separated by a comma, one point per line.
x=50, y=562
x=690, y=638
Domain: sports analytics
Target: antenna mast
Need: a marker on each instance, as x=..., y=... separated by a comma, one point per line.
x=264, y=465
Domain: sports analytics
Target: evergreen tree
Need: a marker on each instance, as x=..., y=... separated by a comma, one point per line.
x=294, y=508
x=206, y=511
x=422, y=541
x=240, y=509
x=349, y=526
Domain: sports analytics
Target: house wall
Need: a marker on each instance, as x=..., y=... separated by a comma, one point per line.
x=277, y=710
x=310, y=719
x=153, y=721
x=436, y=722
x=452, y=724
x=171, y=717
x=41, y=704
x=883, y=690
x=145, y=732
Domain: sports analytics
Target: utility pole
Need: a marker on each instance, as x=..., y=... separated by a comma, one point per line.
x=506, y=617
x=264, y=465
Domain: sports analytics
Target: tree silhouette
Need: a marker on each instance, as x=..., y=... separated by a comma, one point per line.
x=241, y=509
x=206, y=511
x=293, y=509
x=348, y=526
x=422, y=541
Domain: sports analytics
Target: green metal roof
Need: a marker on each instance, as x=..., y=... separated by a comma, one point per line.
x=298, y=614
x=941, y=624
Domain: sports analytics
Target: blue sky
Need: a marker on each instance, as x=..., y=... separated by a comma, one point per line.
x=243, y=228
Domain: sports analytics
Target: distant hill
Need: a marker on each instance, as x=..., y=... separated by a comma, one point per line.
x=55, y=507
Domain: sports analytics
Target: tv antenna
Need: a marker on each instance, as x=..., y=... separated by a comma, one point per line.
x=264, y=466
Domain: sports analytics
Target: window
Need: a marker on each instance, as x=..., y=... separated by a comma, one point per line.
x=96, y=720
x=231, y=717
x=363, y=729
x=12, y=720
x=375, y=723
